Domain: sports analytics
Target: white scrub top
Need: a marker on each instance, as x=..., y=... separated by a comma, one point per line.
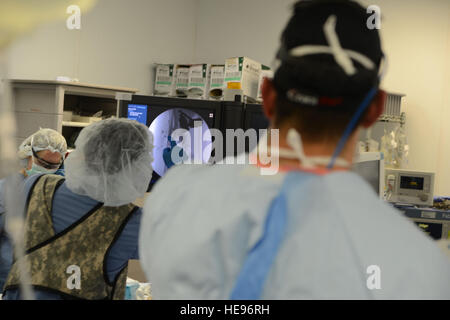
x=341, y=241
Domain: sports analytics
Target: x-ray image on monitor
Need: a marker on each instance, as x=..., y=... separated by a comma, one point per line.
x=194, y=143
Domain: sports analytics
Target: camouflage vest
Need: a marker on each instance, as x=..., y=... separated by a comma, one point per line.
x=53, y=259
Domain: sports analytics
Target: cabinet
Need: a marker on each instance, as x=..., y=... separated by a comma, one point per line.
x=55, y=105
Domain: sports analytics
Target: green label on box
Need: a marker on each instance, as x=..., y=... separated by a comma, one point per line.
x=233, y=79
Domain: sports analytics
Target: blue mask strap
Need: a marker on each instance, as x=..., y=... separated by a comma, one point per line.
x=362, y=107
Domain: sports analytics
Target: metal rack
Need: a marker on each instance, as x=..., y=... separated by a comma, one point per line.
x=392, y=109
x=393, y=118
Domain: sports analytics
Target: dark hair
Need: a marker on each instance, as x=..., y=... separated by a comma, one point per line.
x=324, y=124
x=319, y=75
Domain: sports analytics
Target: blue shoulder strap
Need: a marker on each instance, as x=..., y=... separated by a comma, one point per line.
x=251, y=279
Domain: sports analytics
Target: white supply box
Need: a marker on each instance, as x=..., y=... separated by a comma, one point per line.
x=242, y=73
x=164, y=80
x=198, y=86
x=182, y=80
x=410, y=187
x=217, y=83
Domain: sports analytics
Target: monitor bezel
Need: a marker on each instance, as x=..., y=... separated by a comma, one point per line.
x=173, y=102
x=374, y=156
x=249, y=109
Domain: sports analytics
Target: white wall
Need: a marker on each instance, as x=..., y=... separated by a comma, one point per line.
x=444, y=138
x=416, y=37
x=230, y=28
x=118, y=42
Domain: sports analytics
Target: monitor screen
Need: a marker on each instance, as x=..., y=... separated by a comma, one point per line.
x=180, y=128
x=369, y=171
x=137, y=112
x=412, y=183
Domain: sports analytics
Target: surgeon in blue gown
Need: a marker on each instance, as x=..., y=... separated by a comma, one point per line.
x=313, y=229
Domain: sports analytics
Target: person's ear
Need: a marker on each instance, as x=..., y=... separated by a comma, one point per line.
x=269, y=95
x=375, y=110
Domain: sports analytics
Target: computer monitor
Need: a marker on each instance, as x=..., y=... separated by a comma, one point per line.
x=370, y=166
x=411, y=187
x=232, y=119
x=254, y=118
x=163, y=116
x=137, y=112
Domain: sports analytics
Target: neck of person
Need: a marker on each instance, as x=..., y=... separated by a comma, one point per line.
x=318, y=149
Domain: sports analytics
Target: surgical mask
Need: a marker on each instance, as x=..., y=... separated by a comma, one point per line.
x=294, y=140
x=36, y=169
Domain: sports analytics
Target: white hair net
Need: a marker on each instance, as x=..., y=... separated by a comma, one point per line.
x=43, y=139
x=111, y=162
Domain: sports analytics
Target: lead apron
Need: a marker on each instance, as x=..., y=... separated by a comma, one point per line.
x=84, y=244
x=253, y=275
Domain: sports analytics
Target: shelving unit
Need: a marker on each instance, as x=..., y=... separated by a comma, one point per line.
x=40, y=104
x=75, y=124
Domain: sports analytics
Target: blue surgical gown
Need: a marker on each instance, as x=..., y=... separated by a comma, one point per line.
x=200, y=223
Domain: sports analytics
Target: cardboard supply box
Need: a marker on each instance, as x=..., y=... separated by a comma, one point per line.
x=181, y=80
x=265, y=73
x=164, y=80
x=242, y=73
x=217, y=82
x=198, y=85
